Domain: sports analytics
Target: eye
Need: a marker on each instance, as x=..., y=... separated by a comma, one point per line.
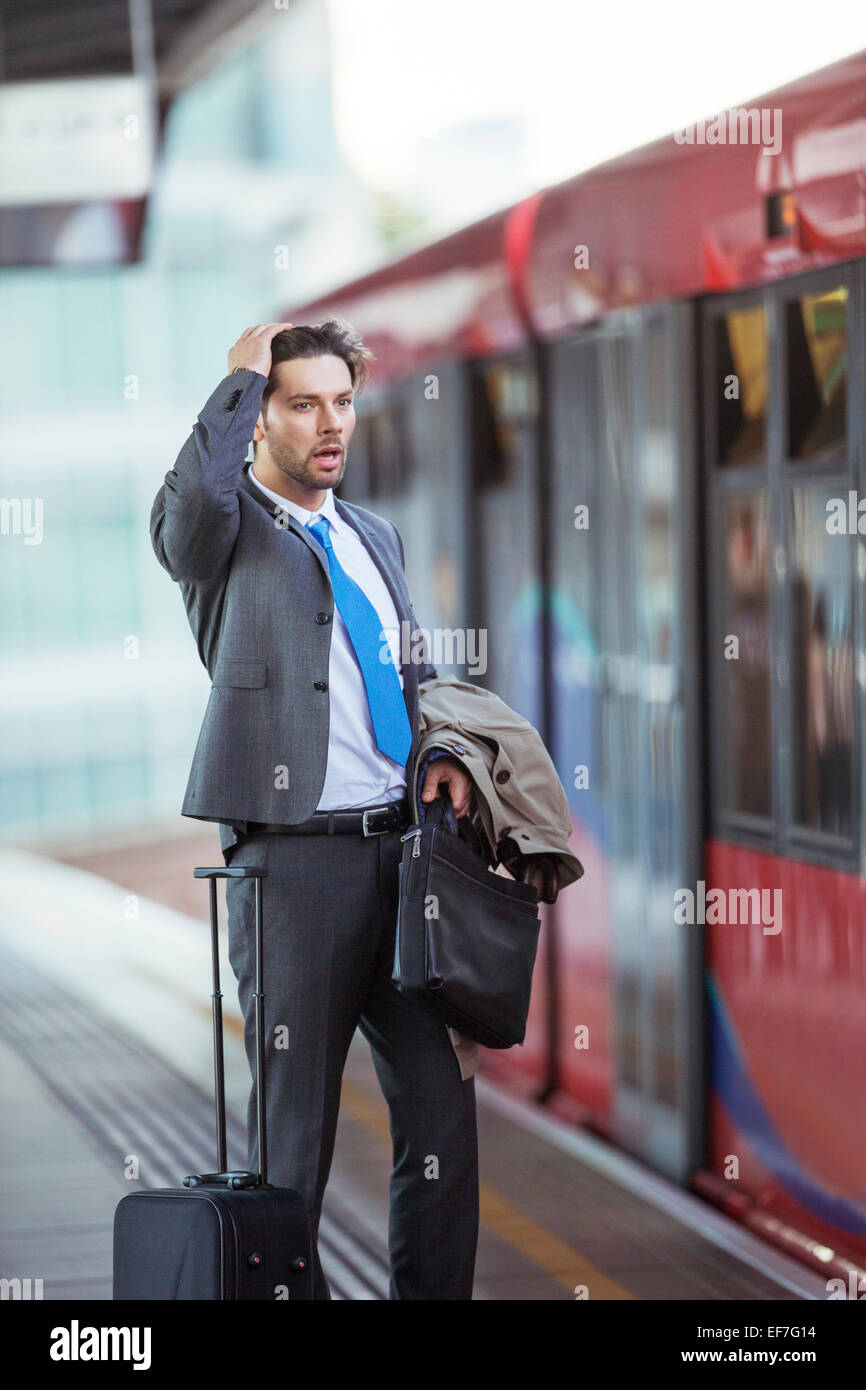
x=301, y=404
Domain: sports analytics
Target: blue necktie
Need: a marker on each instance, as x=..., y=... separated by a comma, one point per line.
x=364, y=626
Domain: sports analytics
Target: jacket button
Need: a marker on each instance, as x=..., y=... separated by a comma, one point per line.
x=503, y=776
x=323, y=617
x=320, y=685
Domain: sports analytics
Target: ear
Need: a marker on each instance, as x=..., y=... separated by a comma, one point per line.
x=258, y=432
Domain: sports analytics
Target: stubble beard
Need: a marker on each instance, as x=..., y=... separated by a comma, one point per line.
x=302, y=469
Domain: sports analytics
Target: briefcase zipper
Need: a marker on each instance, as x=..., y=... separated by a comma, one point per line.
x=416, y=848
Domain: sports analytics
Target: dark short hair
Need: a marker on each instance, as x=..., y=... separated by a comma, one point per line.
x=335, y=337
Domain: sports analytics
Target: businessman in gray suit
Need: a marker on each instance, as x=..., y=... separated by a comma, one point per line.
x=308, y=744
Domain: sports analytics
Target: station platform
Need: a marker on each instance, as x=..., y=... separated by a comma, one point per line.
x=106, y=1069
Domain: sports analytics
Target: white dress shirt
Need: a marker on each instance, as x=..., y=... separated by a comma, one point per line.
x=358, y=773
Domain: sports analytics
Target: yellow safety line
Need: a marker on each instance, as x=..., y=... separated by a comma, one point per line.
x=556, y=1257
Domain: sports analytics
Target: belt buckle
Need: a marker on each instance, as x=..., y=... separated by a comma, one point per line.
x=374, y=811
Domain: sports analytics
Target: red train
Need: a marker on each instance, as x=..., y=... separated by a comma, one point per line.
x=621, y=427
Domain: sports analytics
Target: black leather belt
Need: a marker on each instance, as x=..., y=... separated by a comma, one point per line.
x=373, y=820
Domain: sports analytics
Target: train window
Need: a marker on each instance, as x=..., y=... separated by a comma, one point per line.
x=745, y=638
x=817, y=374
x=741, y=356
x=513, y=394
x=354, y=486
x=505, y=401
x=389, y=445
x=823, y=668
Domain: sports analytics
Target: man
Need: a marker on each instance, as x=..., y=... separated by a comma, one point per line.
x=296, y=601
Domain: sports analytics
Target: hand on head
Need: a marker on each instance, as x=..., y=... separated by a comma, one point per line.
x=253, y=348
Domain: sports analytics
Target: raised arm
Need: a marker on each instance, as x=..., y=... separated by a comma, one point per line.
x=195, y=515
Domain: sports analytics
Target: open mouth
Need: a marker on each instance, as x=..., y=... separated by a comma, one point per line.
x=329, y=457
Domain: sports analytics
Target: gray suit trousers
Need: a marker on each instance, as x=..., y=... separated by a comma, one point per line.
x=329, y=918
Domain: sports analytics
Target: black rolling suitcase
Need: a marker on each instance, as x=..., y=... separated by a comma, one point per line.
x=222, y=1235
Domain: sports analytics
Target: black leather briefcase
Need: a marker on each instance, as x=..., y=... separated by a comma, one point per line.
x=223, y=1235
x=466, y=937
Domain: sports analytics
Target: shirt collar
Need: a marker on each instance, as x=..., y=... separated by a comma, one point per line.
x=327, y=508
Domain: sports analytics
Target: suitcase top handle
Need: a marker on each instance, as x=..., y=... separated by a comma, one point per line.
x=237, y=871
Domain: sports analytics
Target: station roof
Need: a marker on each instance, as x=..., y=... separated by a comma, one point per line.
x=90, y=38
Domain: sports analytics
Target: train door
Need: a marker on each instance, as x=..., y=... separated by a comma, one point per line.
x=503, y=531
x=626, y=712
x=783, y=391
x=506, y=607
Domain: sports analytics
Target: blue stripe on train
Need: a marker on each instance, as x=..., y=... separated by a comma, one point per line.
x=734, y=1088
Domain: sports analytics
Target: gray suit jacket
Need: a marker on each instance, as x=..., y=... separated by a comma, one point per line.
x=258, y=596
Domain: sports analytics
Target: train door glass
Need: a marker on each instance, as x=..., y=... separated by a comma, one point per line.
x=822, y=672
x=741, y=356
x=817, y=353
x=504, y=539
x=582, y=915
x=660, y=757
x=621, y=761
x=822, y=550
x=745, y=770
x=623, y=665
x=736, y=395
x=355, y=485
x=436, y=516
x=662, y=643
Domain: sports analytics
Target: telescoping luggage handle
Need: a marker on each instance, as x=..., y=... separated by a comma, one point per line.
x=224, y=1178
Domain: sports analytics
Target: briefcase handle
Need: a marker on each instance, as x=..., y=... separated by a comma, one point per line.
x=222, y=1177
x=441, y=812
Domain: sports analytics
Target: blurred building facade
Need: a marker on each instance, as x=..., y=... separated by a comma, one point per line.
x=102, y=370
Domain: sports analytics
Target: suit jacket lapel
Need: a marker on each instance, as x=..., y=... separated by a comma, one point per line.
x=288, y=519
